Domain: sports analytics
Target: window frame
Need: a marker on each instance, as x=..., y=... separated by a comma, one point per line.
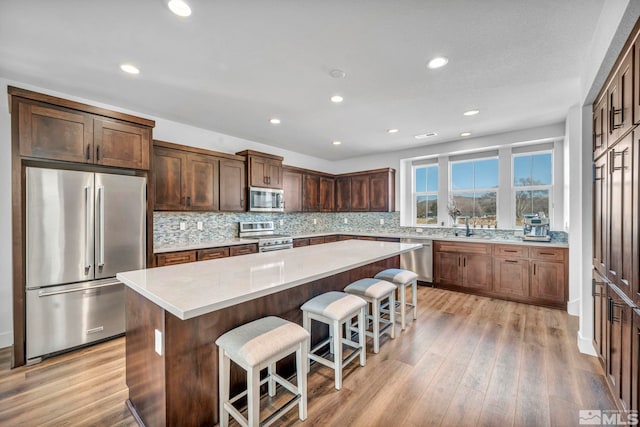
x=514, y=188
x=415, y=194
x=451, y=192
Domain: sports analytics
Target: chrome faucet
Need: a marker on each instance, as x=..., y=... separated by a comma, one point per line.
x=466, y=223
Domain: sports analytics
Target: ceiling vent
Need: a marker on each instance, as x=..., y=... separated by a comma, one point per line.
x=425, y=135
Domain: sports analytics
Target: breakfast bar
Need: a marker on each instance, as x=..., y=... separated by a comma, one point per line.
x=175, y=313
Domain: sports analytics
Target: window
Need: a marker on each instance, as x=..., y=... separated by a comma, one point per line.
x=474, y=190
x=532, y=184
x=425, y=197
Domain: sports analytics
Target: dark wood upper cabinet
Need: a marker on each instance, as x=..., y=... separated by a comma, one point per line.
x=264, y=170
x=192, y=179
x=121, y=144
x=310, y=193
x=327, y=198
x=57, y=129
x=232, y=185
x=382, y=196
x=600, y=182
x=620, y=99
x=292, y=186
x=343, y=194
x=621, y=213
x=600, y=127
x=202, y=183
x=53, y=133
x=360, y=193
x=169, y=175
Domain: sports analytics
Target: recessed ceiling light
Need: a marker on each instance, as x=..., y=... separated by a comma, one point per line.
x=337, y=99
x=179, y=7
x=465, y=134
x=425, y=135
x=128, y=68
x=274, y=121
x=471, y=112
x=337, y=74
x=392, y=130
x=337, y=142
x=437, y=62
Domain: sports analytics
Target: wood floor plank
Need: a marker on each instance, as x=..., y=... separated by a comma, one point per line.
x=466, y=361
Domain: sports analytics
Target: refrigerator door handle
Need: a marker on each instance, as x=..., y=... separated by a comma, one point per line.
x=101, y=226
x=86, y=288
x=87, y=230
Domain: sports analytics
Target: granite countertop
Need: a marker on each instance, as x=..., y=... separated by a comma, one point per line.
x=176, y=247
x=472, y=239
x=192, y=289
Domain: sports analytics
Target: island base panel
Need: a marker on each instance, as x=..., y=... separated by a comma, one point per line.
x=180, y=388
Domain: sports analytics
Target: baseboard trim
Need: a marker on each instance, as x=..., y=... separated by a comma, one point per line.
x=585, y=345
x=573, y=307
x=6, y=339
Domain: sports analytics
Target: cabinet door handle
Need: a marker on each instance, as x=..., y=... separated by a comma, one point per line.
x=615, y=154
x=98, y=153
x=614, y=113
x=534, y=269
x=88, y=152
x=464, y=261
x=189, y=201
x=609, y=309
x=459, y=261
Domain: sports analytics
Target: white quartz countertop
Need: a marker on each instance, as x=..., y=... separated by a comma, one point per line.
x=196, y=288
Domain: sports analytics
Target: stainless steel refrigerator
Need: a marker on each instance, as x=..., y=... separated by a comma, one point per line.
x=81, y=229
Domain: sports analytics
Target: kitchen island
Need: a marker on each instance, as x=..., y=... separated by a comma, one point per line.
x=174, y=315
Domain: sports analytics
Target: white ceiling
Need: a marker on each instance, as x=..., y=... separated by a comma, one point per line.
x=234, y=64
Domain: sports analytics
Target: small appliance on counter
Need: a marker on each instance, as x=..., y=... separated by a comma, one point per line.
x=536, y=227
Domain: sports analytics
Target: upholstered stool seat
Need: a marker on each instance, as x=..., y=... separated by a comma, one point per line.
x=255, y=346
x=403, y=279
x=375, y=291
x=335, y=309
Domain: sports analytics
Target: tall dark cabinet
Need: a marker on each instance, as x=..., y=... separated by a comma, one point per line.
x=616, y=202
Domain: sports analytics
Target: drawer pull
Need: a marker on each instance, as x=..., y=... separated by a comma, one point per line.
x=511, y=261
x=547, y=253
x=510, y=251
x=95, y=330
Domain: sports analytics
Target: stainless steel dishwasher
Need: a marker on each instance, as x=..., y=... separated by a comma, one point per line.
x=419, y=261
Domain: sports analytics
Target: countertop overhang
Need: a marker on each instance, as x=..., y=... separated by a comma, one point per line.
x=193, y=289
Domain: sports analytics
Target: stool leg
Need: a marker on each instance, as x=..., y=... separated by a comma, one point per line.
x=306, y=324
x=392, y=313
x=301, y=376
x=271, y=369
x=253, y=397
x=403, y=302
x=337, y=352
x=331, y=343
x=414, y=298
x=375, y=308
x=362, y=338
x=223, y=385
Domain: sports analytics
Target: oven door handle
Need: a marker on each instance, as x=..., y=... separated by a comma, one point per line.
x=275, y=248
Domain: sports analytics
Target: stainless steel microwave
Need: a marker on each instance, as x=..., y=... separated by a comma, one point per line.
x=266, y=200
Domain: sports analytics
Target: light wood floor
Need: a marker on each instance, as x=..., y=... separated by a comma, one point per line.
x=466, y=361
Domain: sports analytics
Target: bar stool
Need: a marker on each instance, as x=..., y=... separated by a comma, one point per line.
x=375, y=291
x=402, y=279
x=254, y=346
x=334, y=309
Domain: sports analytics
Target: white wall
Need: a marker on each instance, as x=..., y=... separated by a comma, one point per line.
x=165, y=130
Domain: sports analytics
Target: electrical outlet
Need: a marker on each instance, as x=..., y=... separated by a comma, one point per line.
x=200, y=225
x=418, y=230
x=381, y=221
x=158, y=342
x=282, y=222
x=346, y=220
x=183, y=226
x=315, y=221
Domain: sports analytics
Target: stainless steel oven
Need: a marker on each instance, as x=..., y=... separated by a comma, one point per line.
x=266, y=200
x=267, y=239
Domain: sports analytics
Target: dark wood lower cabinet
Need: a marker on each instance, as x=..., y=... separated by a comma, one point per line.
x=635, y=360
x=618, y=363
x=173, y=258
x=316, y=240
x=243, y=249
x=300, y=242
x=524, y=273
x=600, y=319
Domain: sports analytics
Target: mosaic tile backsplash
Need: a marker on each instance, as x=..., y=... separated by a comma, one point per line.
x=224, y=226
